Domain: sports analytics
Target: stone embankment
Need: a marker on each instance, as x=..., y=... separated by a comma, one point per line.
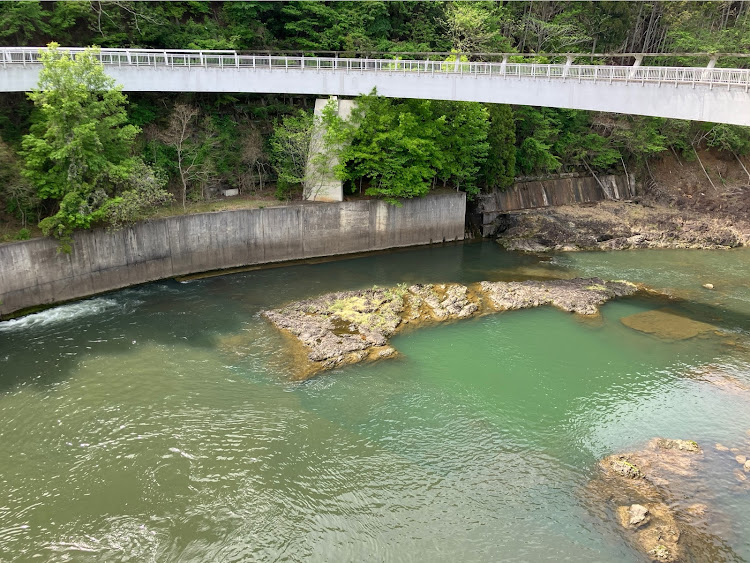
x=349, y=327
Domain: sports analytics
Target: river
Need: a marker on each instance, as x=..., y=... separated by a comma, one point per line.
x=163, y=423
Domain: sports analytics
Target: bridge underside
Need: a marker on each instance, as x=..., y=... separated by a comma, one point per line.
x=699, y=103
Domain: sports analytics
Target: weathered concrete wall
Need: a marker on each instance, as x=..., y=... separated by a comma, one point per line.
x=34, y=273
x=544, y=193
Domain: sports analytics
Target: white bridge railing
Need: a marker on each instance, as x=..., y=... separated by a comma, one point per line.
x=703, y=76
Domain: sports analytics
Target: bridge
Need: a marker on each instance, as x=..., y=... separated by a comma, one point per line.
x=719, y=95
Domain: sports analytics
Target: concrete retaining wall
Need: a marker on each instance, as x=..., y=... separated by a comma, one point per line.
x=34, y=273
x=550, y=192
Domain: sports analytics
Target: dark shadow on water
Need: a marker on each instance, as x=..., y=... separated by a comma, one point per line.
x=44, y=348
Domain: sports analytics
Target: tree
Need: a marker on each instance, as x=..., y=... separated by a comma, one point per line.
x=499, y=170
x=146, y=192
x=79, y=149
x=18, y=194
x=193, y=138
x=536, y=131
x=472, y=27
x=394, y=147
x=253, y=161
x=290, y=150
x=462, y=140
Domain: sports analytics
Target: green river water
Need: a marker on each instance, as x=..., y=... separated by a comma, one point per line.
x=161, y=423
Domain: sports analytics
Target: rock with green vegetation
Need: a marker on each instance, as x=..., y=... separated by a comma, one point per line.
x=622, y=466
x=344, y=327
x=442, y=301
x=352, y=326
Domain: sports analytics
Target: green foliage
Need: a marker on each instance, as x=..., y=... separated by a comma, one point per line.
x=290, y=147
x=499, y=169
x=21, y=22
x=462, y=140
x=473, y=27
x=394, y=147
x=17, y=193
x=402, y=152
x=536, y=129
x=23, y=234
x=731, y=138
x=145, y=192
x=401, y=146
x=79, y=150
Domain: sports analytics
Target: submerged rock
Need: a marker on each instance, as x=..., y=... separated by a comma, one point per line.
x=353, y=326
x=643, y=494
x=717, y=375
x=667, y=325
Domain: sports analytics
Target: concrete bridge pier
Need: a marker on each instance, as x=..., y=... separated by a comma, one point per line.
x=321, y=183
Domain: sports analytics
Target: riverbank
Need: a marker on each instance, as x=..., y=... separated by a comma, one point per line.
x=679, y=205
x=614, y=225
x=35, y=273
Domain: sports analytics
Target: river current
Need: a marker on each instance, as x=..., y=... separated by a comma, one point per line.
x=163, y=422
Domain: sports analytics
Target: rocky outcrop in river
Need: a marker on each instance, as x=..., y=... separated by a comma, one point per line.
x=349, y=327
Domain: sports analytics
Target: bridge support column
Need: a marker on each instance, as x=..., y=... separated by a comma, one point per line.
x=321, y=183
x=636, y=64
x=568, y=63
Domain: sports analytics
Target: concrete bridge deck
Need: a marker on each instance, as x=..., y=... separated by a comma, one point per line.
x=718, y=95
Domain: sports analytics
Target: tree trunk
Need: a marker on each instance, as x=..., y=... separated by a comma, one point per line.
x=704, y=169
x=743, y=166
x=182, y=178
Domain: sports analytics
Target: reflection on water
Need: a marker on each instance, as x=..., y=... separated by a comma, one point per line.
x=160, y=422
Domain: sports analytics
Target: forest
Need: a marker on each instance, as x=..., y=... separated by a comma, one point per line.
x=181, y=150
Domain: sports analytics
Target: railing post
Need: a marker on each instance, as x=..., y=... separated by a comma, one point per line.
x=504, y=65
